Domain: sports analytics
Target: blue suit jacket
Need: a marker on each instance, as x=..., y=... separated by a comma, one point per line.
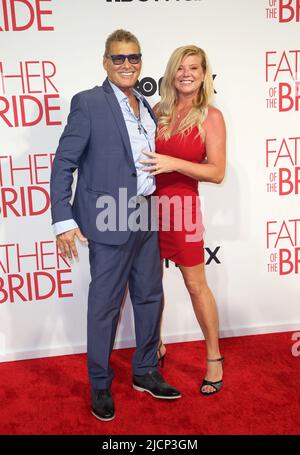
x=95, y=141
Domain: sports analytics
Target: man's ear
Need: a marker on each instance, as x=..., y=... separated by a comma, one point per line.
x=104, y=62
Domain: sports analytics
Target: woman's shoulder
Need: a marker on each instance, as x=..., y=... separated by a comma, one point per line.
x=214, y=117
x=213, y=113
x=214, y=122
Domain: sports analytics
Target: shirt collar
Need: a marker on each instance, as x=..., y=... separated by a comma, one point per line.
x=121, y=95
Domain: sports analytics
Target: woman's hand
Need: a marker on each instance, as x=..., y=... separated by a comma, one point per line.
x=159, y=163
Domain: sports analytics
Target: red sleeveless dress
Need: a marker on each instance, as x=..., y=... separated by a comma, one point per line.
x=179, y=212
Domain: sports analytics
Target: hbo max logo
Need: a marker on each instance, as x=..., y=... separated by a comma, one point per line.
x=148, y=86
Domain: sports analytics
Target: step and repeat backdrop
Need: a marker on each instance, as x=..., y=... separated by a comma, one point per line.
x=51, y=49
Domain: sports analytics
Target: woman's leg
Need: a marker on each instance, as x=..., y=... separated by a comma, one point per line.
x=207, y=315
x=161, y=351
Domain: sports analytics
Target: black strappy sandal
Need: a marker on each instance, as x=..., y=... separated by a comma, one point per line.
x=217, y=385
x=161, y=357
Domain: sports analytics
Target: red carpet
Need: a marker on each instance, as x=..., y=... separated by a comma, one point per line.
x=261, y=394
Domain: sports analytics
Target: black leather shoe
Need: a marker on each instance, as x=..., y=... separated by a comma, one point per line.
x=153, y=383
x=103, y=405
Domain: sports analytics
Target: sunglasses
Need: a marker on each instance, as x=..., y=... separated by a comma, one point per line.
x=119, y=59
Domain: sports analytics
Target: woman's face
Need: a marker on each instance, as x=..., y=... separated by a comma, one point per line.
x=189, y=75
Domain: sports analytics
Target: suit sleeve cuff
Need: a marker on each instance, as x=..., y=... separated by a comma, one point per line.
x=63, y=226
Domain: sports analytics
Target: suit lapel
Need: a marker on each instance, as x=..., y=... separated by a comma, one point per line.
x=117, y=112
x=145, y=102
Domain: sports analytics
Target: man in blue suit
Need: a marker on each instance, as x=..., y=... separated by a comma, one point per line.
x=108, y=129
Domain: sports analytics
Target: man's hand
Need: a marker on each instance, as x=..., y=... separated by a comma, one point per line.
x=66, y=242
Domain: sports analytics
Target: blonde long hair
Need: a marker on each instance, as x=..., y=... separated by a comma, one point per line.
x=169, y=95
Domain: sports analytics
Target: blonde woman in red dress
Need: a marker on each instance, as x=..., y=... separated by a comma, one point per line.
x=190, y=147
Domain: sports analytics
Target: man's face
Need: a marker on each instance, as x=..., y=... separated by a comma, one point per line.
x=126, y=74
